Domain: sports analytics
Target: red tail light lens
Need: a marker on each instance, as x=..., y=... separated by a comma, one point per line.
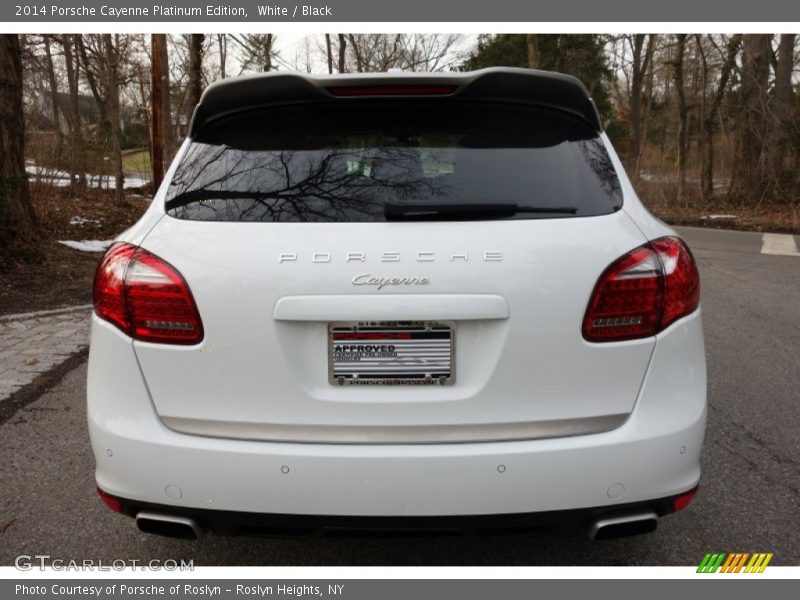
x=682, y=293
x=145, y=297
x=109, y=281
x=643, y=292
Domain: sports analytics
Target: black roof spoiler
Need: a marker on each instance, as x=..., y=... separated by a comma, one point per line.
x=542, y=88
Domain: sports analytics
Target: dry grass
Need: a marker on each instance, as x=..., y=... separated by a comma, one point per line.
x=661, y=198
x=49, y=274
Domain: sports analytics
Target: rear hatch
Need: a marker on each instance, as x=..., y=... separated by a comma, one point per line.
x=468, y=234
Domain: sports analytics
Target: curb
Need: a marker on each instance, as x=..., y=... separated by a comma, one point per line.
x=45, y=313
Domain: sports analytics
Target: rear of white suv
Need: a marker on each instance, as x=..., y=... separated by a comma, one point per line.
x=397, y=301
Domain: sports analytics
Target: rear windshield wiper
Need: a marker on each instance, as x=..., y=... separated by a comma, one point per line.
x=422, y=211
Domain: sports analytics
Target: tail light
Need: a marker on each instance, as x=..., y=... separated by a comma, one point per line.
x=145, y=297
x=643, y=292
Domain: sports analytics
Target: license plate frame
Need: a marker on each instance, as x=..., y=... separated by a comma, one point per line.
x=426, y=355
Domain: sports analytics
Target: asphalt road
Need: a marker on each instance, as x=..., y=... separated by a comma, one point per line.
x=750, y=492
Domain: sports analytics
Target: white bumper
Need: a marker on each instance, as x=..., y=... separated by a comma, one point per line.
x=655, y=454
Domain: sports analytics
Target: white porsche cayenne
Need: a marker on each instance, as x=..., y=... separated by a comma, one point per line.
x=419, y=301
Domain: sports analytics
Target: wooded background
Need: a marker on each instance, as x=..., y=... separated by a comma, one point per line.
x=710, y=119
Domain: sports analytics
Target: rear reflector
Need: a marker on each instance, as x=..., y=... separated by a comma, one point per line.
x=684, y=500
x=393, y=90
x=145, y=297
x=110, y=501
x=643, y=292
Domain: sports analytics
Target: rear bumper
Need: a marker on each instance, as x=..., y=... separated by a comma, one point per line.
x=293, y=525
x=653, y=455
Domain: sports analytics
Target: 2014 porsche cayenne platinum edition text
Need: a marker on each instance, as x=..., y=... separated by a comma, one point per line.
x=419, y=301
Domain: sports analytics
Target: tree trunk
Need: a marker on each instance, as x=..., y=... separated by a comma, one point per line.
x=780, y=165
x=751, y=178
x=112, y=110
x=330, y=53
x=77, y=148
x=647, y=101
x=157, y=108
x=698, y=40
x=342, y=50
x=51, y=79
x=682, y=115
x=80, y=48
x=709, y=122
x=145, y=102
x=534, y=59
x=196, y=41
x=222, y=41
x=168, y=131
x=17, y=219
x=641, y=58
x=357, y=52
x=268, y=53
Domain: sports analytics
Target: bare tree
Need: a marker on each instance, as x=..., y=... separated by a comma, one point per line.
x=751, y=180
x=53, y=84
x=93, y=70
x=330, y=53
x=376, y=52
x=77, y=148
x=711, y=116
x=158, y=41
x=682, y=114
x=647, y=98
x=17, y=219
x=168, y=134
x=411, y=52
x=641, y=59
x=113, y=112
x=533, y=51
x=427, y=52
x=222, y=43
x=357, y=52
x=196, y=41
x=783, y=126
x=342, y=53
x=258, y=50
x=145, y=102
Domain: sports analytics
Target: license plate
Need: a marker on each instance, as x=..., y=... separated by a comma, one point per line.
x=391, y=353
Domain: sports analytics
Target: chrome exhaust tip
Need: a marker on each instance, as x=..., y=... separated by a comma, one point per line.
x=611, y=528
x=168, y=525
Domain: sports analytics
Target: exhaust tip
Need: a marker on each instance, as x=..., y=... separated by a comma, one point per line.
x=168, y=525
x=613, y=528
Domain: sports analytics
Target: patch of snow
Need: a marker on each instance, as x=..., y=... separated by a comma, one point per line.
x=59, y=178
x=653, y=178
x=88, y=245
x=81, y=221
x=719, y=183
x=719, y=217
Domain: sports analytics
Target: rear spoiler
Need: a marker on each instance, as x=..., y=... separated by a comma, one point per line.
x=541, y=88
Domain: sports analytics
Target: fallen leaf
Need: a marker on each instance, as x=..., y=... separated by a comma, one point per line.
x=6, y=525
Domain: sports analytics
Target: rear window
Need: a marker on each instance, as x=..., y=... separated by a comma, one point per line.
x=357, y=161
